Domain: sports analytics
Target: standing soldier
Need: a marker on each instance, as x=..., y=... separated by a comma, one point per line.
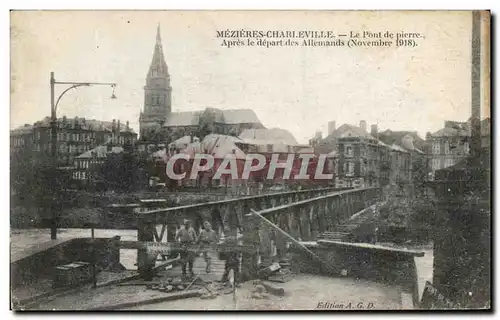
x=187, y=237
x=232, y=262
x=207, y=239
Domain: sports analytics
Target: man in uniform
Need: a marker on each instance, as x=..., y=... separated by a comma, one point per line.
x=187, y=237
x=232, y=262
x=207, y=239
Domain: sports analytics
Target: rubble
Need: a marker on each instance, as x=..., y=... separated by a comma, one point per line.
x=284, y=275
x=269, y=270
x=263, y=287
x=259, y=292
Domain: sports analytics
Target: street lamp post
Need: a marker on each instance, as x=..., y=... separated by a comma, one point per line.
x=53, y=134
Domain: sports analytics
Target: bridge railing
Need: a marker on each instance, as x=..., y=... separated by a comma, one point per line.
x=303, y=220
x=225, y=215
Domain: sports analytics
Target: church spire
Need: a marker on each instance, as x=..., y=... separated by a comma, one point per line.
x=157, y=92
x=158, y=36
x=158, y=65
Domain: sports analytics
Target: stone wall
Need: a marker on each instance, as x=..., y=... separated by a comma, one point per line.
x=40, y=265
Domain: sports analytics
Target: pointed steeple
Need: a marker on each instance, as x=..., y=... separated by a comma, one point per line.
x=158, y=36
x=158, y=66
x=157, y=91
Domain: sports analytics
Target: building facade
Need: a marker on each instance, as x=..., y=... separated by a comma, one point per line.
x=74, y=137
x=408, y=158
x=451, y=144
x=90, y=162
x=370, y=159
x=358, y=154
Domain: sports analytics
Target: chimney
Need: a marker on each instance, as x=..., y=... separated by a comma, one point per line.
x=362, y=125
x=118, y=127
x=374, y=130
x=331, y=127
x=113, y=126
x=127, y=126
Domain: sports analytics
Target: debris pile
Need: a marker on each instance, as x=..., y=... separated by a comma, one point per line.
x=277, y=272
x=263, y=289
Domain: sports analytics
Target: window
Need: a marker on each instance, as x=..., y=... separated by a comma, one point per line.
x=435, y=164
x=436, y=147
x=155, y=99
x=362, y=168
x=362, y=152
x=350, y=168
x=447, y=147
x=466, y=148
x=349, y=152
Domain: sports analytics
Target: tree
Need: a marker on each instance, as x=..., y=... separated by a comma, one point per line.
x=35, y=184
x=125, y=171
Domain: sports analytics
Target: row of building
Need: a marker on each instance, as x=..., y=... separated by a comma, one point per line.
x=361, y=157
x=376, y=158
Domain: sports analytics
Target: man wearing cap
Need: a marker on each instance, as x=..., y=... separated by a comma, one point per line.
x=187, y=237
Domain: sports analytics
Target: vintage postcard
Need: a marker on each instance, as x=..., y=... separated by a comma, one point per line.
x=250, y=160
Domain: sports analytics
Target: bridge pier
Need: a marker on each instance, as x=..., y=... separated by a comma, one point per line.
x=145, y=232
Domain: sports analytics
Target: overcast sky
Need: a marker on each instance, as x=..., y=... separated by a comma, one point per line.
x=298, y=89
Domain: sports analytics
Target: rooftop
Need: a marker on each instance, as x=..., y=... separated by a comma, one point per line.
x=100, y=151
x=268, y=136
x=87, y=124
x=231, y=116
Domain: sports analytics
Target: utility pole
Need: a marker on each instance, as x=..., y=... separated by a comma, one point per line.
x=53, y=143
x=53, y=153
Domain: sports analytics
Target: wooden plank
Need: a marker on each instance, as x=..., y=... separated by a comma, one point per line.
x=300, y=245
x=167, y=297
x=167, y=247
x=331, y=243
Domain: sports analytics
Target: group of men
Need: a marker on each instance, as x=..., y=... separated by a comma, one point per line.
x=192, y=245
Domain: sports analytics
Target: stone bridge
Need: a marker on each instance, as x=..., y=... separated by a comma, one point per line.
x=301, y=214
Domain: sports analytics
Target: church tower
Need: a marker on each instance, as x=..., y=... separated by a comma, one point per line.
x=157, y=92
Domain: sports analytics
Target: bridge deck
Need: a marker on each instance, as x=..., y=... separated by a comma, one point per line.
x=217, y=269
